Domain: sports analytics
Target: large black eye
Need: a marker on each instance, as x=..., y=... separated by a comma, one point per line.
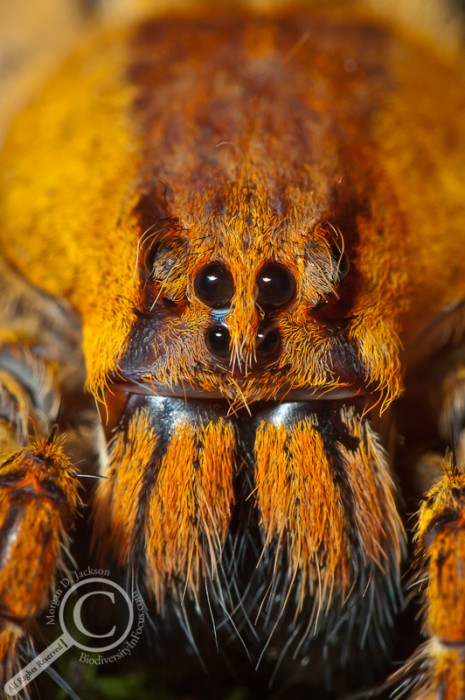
x=214, y=285
x=218, y=339
x=275, y=285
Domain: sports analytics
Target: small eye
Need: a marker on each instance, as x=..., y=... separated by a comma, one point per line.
x=214, y=285
x=342, y=262
x=275, y=285
x=218, y=339
x=321, y=304
x=344, y=266
x=268, y=342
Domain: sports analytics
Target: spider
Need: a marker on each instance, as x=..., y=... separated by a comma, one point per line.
x=232, y=290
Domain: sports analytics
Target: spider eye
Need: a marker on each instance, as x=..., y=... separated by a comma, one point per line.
x=268, y=342
x=214, y=285
x=344, y=266
x=275, y=285
x=342, y=262
x=218, y=339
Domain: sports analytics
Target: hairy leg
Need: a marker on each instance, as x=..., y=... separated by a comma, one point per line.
x=38, y=497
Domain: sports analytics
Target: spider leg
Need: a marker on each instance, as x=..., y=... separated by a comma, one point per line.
x=441, y=545
x=437, y=670
x=38, y=497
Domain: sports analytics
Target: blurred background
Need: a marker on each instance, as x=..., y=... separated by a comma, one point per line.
x=36, y=34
